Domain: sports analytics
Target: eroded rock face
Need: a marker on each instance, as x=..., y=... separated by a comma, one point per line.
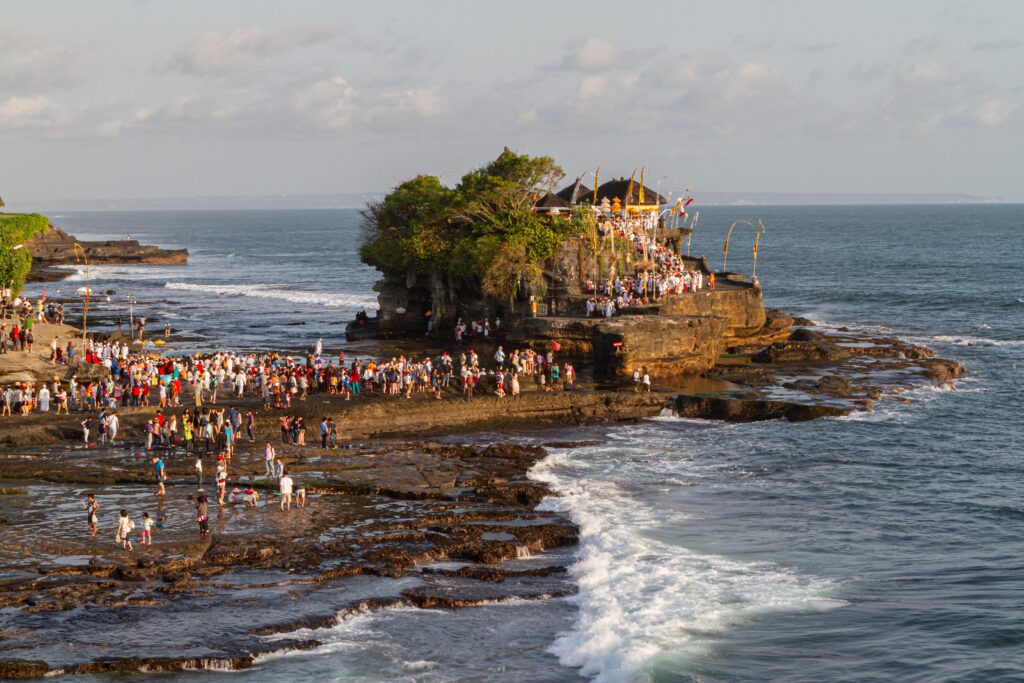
x=664, y=345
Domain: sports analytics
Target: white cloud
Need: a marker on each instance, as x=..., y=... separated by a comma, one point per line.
x=327, y=103
x=594, y=54
x=23, y=108
x=591, y=88
x=928, y=72
x=993, y=113
x=244, y=52
x=30, y=64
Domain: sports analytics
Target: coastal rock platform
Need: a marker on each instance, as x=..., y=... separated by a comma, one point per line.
x=57, y=248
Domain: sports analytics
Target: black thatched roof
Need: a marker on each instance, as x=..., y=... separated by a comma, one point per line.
x=582, y=194
x=619, y=188
x=552, y=201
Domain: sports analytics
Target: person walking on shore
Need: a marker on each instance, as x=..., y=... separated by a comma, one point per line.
x=160, y=474
x=146, y=537
x=125, y=526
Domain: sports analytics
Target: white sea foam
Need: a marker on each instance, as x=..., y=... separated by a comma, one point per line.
x=332, y=300
x=972, y=340
x=640, y=597
x=99, y=273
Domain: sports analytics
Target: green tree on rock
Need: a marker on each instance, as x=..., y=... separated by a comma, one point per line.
x=483, y=229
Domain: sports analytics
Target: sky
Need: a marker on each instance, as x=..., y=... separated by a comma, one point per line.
x=161, y=98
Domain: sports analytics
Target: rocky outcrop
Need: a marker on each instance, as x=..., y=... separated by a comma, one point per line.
x=664, y=345
x=57, y=248
x=751, y=410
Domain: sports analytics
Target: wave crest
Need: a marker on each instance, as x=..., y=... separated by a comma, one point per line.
x=279, y=292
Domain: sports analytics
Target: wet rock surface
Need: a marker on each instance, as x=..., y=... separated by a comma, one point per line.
x=413, y=524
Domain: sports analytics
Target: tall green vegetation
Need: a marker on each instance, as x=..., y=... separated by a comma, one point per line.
x=484, y=228
x=16, y=229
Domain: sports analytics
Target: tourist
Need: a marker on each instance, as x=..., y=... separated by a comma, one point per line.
x=285, y=484
x=202, y=513
x=268, y=459
x=92, y=509
x=113, y=424
x=160, y=474
x=147, y=530
x=647, y=380
x=125, y=526
x=250, y=497
x=222, y=478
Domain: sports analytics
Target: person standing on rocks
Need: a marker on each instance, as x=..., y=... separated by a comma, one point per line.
x=285, y=484
x=202, y=513
x=113, y=424
x=268, y=459
x=92, y=509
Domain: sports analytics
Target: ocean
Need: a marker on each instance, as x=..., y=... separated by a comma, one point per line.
x=883, y=546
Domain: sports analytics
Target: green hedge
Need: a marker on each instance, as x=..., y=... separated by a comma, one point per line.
x=15, y=229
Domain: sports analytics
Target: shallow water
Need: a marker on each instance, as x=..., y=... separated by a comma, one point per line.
x=884, y=546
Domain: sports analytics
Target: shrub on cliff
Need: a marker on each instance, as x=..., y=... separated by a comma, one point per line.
x=16, y=229
x=483, y=228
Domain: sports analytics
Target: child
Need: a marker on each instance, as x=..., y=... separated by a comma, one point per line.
x=125, y=526
x=233, y=497
x=300, y=495
x=250, y=497
x=92, y=509
x=147, y=526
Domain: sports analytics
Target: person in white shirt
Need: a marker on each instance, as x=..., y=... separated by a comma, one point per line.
x=286, y=485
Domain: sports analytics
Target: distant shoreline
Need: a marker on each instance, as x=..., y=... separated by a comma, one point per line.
x=357, y=200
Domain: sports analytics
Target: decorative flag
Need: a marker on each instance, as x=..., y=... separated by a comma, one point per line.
x=629, y=191
x=575, y=189
x=597, y=174
x=641, y=185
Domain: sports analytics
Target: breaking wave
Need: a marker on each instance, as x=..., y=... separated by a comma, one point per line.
x=281, y=293
x=641, y=598
x=971, y=340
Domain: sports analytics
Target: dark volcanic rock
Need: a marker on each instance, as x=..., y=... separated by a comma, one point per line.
x=751, y=410
x=802, y=352
x=802, y=334
x=21, y=669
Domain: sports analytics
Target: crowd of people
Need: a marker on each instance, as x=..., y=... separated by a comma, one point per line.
x=660, y=273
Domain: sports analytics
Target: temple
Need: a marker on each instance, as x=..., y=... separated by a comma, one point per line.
x=620, y=292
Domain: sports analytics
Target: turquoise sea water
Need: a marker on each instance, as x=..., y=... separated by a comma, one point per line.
x=884, y=546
